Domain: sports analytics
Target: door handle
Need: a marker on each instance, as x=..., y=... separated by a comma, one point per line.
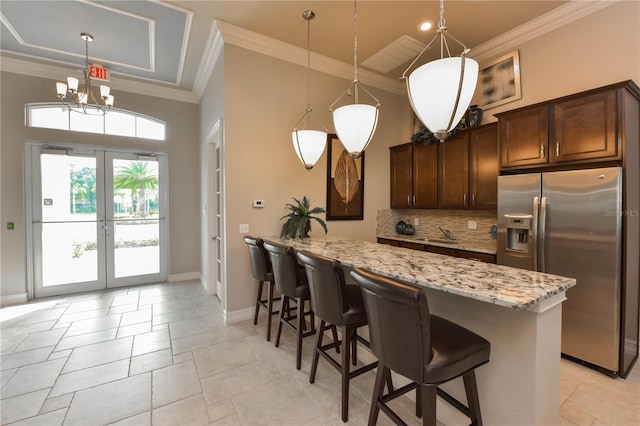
x=541, y=150
x=557, y=149
x=534, y=231
x=543, y=232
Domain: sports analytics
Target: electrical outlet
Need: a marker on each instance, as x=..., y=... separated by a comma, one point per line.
x=244, y=228
x=472, y=224
x=416, y=221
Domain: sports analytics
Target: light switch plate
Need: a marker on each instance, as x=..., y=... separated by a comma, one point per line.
x=244, y=228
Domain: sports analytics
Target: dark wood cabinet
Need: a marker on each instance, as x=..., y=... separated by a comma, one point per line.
x=483, y=167
x=585, y=128
x=448, y=251
x=460, y=173
x=453, y=173
x=414, y=171
x=578, y=129
x=524, y=137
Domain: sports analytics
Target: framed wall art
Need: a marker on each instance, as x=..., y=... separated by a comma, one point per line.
x=499, y=82
x=345, y=182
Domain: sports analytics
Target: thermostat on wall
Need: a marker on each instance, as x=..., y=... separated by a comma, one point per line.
x=258, y=204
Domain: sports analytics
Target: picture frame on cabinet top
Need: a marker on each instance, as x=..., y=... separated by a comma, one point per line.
x=499, y=82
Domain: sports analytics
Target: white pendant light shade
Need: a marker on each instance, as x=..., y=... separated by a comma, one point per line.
x=309, y=146
x=433, y=89
x=355, y=125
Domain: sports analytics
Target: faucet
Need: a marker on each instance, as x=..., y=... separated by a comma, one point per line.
x=446, y=233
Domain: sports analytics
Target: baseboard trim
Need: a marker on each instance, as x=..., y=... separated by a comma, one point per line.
x=188, y=276
x=236, y=316
x=13, y=299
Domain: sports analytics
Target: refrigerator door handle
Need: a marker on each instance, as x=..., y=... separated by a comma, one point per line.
x=534, y=231
x=543, y=232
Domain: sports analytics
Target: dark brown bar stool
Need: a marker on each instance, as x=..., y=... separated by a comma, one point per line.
x=427, y=349
x=337, y=305
x=262, y=271
x=291, y=282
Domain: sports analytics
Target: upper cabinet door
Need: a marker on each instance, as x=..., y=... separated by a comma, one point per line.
x=524, y=137
x=453, y=173
x=425, y=176
x=483, y=167
x=401, y=176
x=585, y=128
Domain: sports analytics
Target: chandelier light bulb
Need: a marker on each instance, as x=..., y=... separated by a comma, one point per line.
x=109, y=101
x=82, y=99
x=61, y=89
x=72, y=82
x=104, y=91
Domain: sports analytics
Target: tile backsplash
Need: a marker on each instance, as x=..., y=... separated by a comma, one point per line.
x=455, y=221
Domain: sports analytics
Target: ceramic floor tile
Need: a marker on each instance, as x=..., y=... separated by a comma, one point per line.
x=222, y=357
x=8, y=344
x=6, y=375
x=136, y=317
x=141, y=419
x=53, y=418
x=89, y=377
x=132, y=330
x=191, y=326
x=174, y=383
x=151, y=361
x=60, y=354
x=150, y=342
x=45, y=315
x=172, y=306
x=232, y=420
x=35, y=327
x=99, y=353
x=190, y=411
x=111, y=402
x=278, y=402
x=221, y=409
x=86, y=339
x=237, y=330
x=195, y=341
x=79, y=316
x=93, y=325
x=56, y=403
x=126, y=299
x=119, y=309
x=88, y=305
x=32, y=378
x=175, y=316
x=232, y=382
x=40, y=339
x=21, y=406
x=183, y=357
x=19, y=359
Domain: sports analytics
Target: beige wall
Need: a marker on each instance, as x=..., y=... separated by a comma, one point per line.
x=264, y=98
x=181, y=146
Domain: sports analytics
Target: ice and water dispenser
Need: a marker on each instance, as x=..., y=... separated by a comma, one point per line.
x=518, y=231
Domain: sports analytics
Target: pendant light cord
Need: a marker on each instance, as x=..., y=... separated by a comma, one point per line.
x=309, y=71
x=355, y=48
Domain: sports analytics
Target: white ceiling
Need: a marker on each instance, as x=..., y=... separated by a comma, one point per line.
x=161, y=44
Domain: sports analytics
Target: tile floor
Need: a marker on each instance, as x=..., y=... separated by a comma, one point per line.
x=161, y=354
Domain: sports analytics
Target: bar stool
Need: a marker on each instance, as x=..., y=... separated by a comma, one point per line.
x=291, y=282
x=337, y=305
x=262, y=271
x=427, y=349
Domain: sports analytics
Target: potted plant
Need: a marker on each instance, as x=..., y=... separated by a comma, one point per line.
x=299, y=219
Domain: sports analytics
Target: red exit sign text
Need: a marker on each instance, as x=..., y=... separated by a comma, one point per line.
x=97, y=72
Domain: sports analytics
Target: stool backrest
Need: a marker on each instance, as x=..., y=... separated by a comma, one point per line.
x=327, y=286
x=286, y=271
x=260, y=262
x=398, y=316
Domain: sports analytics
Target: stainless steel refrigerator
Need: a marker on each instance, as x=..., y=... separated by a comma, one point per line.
x=570, y=223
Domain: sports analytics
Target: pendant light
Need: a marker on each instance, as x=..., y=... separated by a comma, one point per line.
x=440, y=91
x=355, y=124
x=308, y=144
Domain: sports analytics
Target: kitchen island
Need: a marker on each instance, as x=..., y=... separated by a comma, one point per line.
x=518, y=311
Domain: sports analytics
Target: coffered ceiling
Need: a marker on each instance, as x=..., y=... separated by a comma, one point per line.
x=164, y=43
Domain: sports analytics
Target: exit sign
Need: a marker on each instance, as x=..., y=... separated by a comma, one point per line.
x=98, y=72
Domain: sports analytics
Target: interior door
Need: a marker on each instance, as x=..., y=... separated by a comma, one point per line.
x=97, y=219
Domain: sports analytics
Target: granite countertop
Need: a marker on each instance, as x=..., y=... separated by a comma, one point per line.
x=488, y=247
x=496, y=284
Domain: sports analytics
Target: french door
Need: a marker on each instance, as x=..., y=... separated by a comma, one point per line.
x=97, y=219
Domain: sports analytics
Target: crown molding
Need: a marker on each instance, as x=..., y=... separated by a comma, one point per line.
x=550, y=21
x=262, y=44
x=212, y=51
x=52, y=72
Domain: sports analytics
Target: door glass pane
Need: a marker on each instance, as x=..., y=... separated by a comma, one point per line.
x=136, y=220
x=69, y=228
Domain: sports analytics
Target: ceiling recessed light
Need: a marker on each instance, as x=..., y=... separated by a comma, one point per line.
x=425, y=26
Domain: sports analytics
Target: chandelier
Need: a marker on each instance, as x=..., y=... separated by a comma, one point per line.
x=84, y=100
x=308, y=144
x=356, y=123
x=440, y=91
